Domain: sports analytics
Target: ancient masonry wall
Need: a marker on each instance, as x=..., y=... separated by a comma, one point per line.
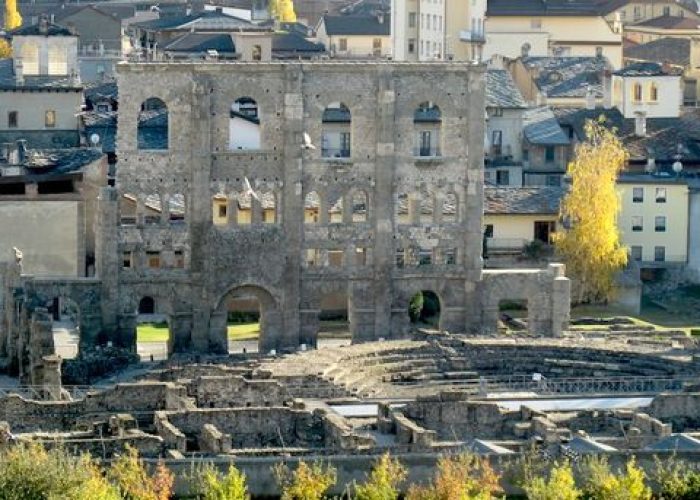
x=421, y=228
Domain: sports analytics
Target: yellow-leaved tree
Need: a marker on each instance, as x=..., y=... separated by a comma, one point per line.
x=283, y=11
x=12, y=20
x=590, y=244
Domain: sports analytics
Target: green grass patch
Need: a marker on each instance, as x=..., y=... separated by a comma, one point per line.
x=158, y=332
x=650, y=315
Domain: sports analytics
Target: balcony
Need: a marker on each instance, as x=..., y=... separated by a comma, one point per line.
x=472, y=36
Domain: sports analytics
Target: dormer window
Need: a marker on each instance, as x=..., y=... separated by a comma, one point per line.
x=637, y=92
x=50, y=118
x=12, y=119
x=653, y=92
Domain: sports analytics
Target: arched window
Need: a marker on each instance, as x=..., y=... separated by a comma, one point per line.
x=153, y=209
x=152, y=130
x=427, y=120
x=30, y=58
x=335, y=210
x=335, y=137
x=653, y=92
x=312, y=207
x=147, y=305
x=269, y=207
x=244, y=125
x=128, y=209
x=449, y=208
x=637, y=92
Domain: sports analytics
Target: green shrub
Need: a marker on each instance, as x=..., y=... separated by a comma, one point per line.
x=600, y=483
x=560, y=485
x=676, y=481
x=461, y=477
x=208, y=483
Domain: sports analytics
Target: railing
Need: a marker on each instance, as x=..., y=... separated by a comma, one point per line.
x=471, y=36
x=335, y=153
x=427, y=152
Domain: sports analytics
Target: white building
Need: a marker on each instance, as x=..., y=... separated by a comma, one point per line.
x=647, y=90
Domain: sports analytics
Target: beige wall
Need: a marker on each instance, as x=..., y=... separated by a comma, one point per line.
x=581, y=35
x=514, y=231
x=32, y=107
x=47, y=233
x=357, y=46
x=675, y=238
x=648, y=10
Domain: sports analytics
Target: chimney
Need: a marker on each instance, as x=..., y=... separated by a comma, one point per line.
x=640, y=124
x=19, y=71
x=606, y=78
x=43, y=24
x=590, y=97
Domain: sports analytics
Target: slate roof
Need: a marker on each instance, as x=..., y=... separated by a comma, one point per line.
x=202, y=42
x=117, y=11
x=540, y=127
x=676, y=442
x=568, y=76
x=50, y=29
x=501, y=91
x=357, y=25
x=546, y=8
x=293, y=45
x=643, y=69
x=674, y=51
x=59, y=161
x=664, y=135
x=8, y=81
x=202, y=21
x=670, y=22
x=105, y=126
x=366, y=7
x=522, y=200
x=581, y=444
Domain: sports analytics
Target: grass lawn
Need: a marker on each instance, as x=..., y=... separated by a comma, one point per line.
x=649, y=315
x=158, y=332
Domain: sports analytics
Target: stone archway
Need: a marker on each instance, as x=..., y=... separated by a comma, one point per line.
x=271, y=331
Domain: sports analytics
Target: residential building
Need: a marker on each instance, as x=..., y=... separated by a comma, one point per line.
x=653, y=220
x=551, y=28
x=356, y=36
x=678, y=55
x=663, y=26
x=561, y=81
x=630, y=12
x=254, y=42
x=505, y=108
x=517, y=216
x=647, y=88
x=545, y=148
x=48, y=204
x=40, y=89
x=418, y=29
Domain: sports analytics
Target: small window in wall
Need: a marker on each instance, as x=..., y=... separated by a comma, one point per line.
x=257, y=52
x=336, y=128
x=638, y=195
x=599, y=51
x=58, y=61
x=450, y=256
x=488, y=231
x=359, y=206
x=153, y=259
x=411, y=19
x=653, y=92
x=179, y=259
x=152, y=126
x=637, y=223
x=411, y=45
x=312, y=205
x=360, y=256
x=313, y=257
x=449, y=208
x=244, y=125
x=636, y=253
x=400, y=258
x=502, y=177
x=660, y=195
x=335, y=258
x=335, y=211
x=659, y=254
x=427, y=119
x=50, y=118
x=637, y=92
x=667, y=11
x=425, y=257
x=343, y=44
x=30, y=58
x=553, y=180
x=12, y=119
x=549, y=154
x=377, y=46
x=127, y=262
x=660, y=224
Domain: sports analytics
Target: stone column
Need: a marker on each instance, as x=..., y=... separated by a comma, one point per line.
x=107, y=259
